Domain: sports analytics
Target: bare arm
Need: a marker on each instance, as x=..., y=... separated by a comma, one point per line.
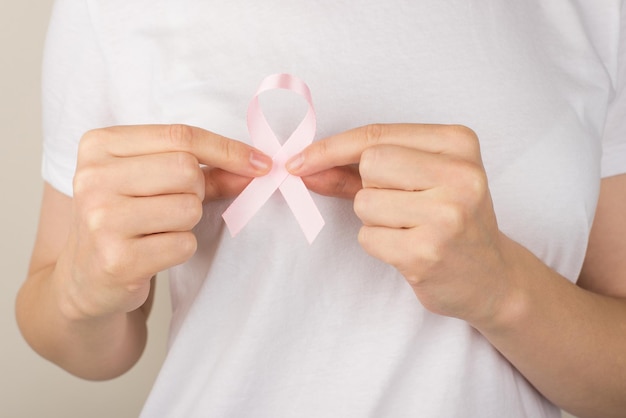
x=93, y=349
x=138, y=192
x=569, y=341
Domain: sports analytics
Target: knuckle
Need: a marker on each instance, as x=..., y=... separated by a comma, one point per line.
x=412, y=279
x=230, y=150
x=200, y=183
x=92, y=137
x=421, y=260
x=452, y=217
x=370, y=241
x=95, y=219
x=464, y=139
x=364, y=238
x=85, y=179
x=191, y=207
x=477, y=182
x=187, y=245
x=473, y=181
x=427, y=257
x=113, y=259
x=187, y=167
x=322, y=149
x=227, y=149
x=181, y=136
x=90, y=143
x=374, y=133
x=411, y=269
x=136, y=286
x=368, y=160
x=361, y=202
x=462, y=131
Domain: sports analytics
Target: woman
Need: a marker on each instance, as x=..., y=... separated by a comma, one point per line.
x=472, y=262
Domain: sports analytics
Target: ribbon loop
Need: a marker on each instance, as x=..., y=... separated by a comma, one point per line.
x=254, y=196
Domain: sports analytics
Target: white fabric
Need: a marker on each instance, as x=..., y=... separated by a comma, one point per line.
x=265, y=325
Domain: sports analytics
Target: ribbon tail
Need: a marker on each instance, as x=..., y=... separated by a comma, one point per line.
x=246, y=205
x=303, y=207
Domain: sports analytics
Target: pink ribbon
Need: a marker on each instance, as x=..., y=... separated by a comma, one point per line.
x=253, y=197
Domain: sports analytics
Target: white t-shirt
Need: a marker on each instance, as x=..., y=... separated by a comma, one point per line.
x=265, y=325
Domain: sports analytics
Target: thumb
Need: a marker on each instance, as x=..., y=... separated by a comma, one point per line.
x=343, y=182
x=221, y=184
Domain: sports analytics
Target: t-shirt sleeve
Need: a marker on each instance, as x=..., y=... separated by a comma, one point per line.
x=614, y=141
x=74, y=90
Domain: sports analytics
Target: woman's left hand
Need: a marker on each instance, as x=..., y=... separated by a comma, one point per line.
x=421, y=192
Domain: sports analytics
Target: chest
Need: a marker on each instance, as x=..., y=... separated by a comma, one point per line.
x=531, y=79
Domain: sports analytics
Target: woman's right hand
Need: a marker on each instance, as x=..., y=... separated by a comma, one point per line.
x=138, y=192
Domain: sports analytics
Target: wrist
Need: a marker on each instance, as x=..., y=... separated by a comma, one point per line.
x=509, y=304
x=66, y=292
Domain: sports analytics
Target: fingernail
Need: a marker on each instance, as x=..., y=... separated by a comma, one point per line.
x=260, y=161
x=295, y=162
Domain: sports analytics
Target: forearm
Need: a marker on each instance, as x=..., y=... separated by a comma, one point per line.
x=91, y=348
x=568, y=342
x=117, y=231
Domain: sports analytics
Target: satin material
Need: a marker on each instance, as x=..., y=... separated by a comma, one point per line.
x=253, y=197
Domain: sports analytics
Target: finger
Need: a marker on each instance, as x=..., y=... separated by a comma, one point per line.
x=134, y=217
x=160, y=252
x=209, y=148
x=402, y=168
x=154, y=174
x=220, y=184
x=389, y=245
x=408, y=250
x=392, y=208
x=343, y=182
x=347, y=147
